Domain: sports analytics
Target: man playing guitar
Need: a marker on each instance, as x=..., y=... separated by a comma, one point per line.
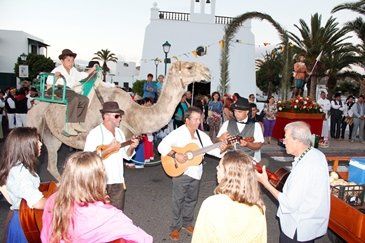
x=108, y=133
x=243, y=127
x=185, y=187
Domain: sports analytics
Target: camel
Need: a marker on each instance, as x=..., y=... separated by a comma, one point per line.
x=49, y=118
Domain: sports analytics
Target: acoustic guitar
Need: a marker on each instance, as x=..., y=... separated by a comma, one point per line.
x=31, y=218
x=277, y=178
x=195, y=156
x=104, y=151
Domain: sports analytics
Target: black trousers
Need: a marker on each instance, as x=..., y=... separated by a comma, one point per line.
x=335, y=125
x=343, y=129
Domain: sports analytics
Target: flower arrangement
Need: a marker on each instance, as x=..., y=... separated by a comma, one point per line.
x=299, y=105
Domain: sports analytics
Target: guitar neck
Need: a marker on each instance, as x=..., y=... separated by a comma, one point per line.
x=126, y=143
x=206, y=149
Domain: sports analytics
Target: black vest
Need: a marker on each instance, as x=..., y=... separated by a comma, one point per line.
x=248, y=131
x=21, y=106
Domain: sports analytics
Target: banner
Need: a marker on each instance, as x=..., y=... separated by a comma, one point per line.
x=23, y=71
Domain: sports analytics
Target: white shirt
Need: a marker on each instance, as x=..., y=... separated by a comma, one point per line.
x=325, y=104
x=257, y=135
x=180, y=137
x=304, y=204
x=22, y=184
x=72, y=79
x=114, y=163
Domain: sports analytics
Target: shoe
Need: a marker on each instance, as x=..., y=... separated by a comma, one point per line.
x=78, y=127
x=69, y=131
x=175, y=235
x=189, y=229
x=351, y=141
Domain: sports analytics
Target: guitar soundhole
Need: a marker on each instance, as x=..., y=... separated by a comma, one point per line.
x=189, y=155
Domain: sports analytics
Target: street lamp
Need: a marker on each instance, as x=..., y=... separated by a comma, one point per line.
x=157, y=61
x=23, y=57
x=166, y=48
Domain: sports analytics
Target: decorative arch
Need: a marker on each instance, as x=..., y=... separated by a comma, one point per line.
x=231, y=30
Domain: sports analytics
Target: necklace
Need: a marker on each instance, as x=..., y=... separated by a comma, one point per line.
x=303, y=154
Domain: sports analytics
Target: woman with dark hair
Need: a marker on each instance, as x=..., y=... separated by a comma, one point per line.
x=227, y=112
x=347, y=118
x=236, y=213
x=80, y=210
x=18, y=175
x=215, y=112
x=270, y=110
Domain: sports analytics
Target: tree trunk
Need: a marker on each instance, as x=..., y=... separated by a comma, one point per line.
x=362, y=87
x=313, y=87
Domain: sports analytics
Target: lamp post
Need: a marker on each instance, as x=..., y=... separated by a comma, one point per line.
x=166, y=48
x=157, y=61
x=23, y=67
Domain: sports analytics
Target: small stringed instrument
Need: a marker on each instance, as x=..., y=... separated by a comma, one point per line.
x=31, y=218
x=104, y=151
x=277, y=178
x=195, y=156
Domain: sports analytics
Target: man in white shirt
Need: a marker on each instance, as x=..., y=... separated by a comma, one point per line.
x=77, y=103
x=336, y=116
x=185, y=188
x=243, y=127
x=109, y=134
x=325, y=105
x=304, y=203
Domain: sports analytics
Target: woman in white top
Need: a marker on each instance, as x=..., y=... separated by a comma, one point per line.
x=17, y=174
x=347, y=117
x=236, y=213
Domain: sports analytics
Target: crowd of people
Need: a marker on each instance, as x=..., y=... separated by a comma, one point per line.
x=89, y=203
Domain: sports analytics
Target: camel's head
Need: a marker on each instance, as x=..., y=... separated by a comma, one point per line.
x=189, y=72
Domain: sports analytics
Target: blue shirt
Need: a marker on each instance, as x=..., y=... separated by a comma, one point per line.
x=149, y=90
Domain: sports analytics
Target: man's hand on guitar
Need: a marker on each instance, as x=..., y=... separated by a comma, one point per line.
x=224, y=137
x=135, y=142
x=181, y=158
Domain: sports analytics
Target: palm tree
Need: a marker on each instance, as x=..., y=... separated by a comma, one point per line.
x=230, y=31
x=330, y=39
x=105, y=56
x=357, y=26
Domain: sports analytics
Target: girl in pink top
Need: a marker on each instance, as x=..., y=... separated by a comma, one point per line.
x=80, y=211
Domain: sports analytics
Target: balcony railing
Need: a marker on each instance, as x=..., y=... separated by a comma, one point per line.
x=174, y=16
x=186, y=17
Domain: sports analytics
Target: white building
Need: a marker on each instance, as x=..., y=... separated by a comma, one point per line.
x=12, y=44
x=125, y=74
x=186, y=31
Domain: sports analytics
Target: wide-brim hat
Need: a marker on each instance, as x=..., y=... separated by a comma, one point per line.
x=65, y=53
x=241, y=104
x=111, y=107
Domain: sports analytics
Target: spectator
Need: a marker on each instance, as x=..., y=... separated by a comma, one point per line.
x=180, y=111
x=347, y=118
x=336, y=116
x=215, y=113
x=326, y=107
x=80, y=210
x=149, y=88
x=358, y=110
x=237, y=193
x=270, y=110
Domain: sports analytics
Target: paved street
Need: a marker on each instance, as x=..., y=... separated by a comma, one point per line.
x=149, y=191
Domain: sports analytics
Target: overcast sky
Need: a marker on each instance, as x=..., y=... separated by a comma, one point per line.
x=119, y=25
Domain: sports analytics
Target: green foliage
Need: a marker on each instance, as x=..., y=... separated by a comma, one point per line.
x=138, y=87
x=348, y=88
x=105, y=56
x=36, y=64
x=269, y=71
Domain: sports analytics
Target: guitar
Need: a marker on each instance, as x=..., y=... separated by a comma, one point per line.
x=277, y=178
x=195, y=156
x=31, y=218
x=104, y=151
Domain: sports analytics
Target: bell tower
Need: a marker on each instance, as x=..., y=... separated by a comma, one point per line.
x=202, y=11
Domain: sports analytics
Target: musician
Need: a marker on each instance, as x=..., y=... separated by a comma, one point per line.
x=108, y=133
x=236, y=213
x=77, y=103
x=80, y=212
x=17, y=173
x=304, y=203
x=244, y=127
x=185, y=188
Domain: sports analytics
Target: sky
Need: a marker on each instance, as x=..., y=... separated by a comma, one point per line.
x=86, y=27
